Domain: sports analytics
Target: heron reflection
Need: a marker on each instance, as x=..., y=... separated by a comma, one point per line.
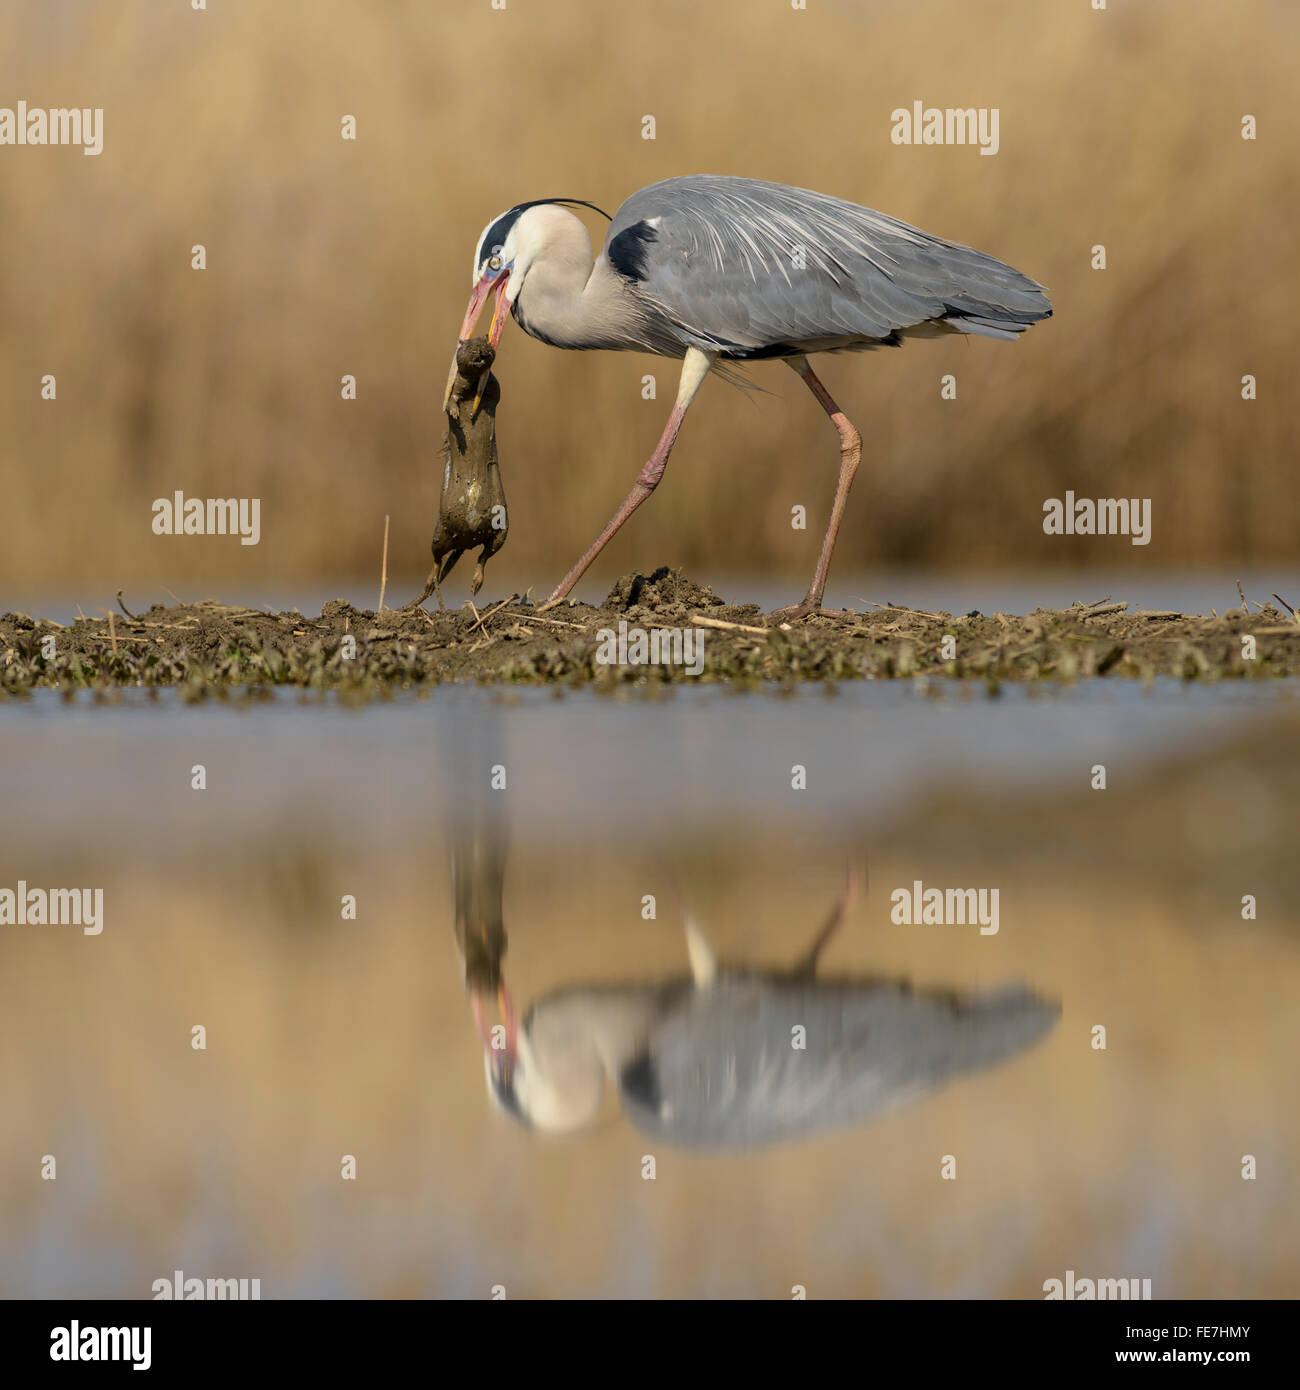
x=723, y=1057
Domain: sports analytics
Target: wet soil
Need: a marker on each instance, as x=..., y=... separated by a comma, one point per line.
x=210, y=647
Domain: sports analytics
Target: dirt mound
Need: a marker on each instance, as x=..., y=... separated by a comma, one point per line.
x=664, y=594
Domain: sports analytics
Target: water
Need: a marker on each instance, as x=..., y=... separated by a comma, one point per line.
x=322, y=907
x=579, y=763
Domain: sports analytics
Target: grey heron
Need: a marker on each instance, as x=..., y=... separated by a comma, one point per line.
x=714, y=270
x=724, y=1059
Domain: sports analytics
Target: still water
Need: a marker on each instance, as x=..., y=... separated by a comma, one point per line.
x=616, y=996
x=579, y=762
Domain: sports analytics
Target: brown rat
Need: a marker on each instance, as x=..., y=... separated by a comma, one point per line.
x=472, y=504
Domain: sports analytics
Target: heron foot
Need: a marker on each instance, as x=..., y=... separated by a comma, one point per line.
x=795, y=613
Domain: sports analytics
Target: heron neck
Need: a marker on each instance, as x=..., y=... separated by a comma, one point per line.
x=565, y=302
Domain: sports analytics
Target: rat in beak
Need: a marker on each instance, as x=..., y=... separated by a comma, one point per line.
x=490, y=280
x=472, y=504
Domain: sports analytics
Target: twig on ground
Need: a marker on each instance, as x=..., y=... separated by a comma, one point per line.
x=487, y=613
x=126, y=610
x=383, y=578
x=902, y=608
x=531, y=617
x=701, y=621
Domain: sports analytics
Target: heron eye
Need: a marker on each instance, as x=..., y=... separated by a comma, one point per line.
x=494, y=263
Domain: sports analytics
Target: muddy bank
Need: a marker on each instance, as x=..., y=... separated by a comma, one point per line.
x=209, y=646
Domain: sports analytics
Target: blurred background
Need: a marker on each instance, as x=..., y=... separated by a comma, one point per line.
x=324, y=257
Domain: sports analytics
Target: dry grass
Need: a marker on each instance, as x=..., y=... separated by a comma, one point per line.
x=328, y=257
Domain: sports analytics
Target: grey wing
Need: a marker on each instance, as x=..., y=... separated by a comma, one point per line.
x=722, y=1070
x=751, y=268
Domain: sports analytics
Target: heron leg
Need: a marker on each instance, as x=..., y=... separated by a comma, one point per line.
x=806, y=966
x=699, y=951
x=850, y=457
x=695, y=367
x=704, y=964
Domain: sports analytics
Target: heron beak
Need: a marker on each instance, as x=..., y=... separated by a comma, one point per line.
x=503, y=1056
x=500, y=312
x=478, y=298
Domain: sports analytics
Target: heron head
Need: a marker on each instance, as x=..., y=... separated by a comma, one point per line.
x=491, y=273
x=553, y=1085
x=506, y=247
